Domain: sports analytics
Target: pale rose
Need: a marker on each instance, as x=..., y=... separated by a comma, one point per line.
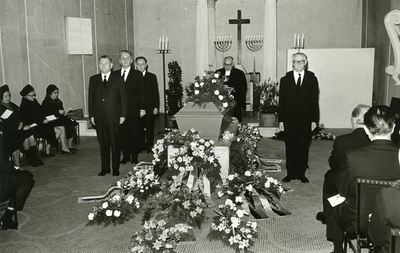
x=247, y=173
x=201, y=84
x=220, y=97
x=240, y=213
x=238, y=199
x=117, y=213
x=105, y=205
x=216, y=92
x=91, y=216
x=231, y=177
x=216, y=75
x=235, y=222
x=214, y=81
x=225, y=104
x=196, y=92
x=196, y=85
x=109, y=213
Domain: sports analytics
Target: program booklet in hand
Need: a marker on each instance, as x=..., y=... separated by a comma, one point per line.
x=6, y=114
x=51, y=117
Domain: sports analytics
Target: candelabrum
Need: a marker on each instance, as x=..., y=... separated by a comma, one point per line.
x=298, y=43
x=254, y=43
x=163, y=48
x=223, y=43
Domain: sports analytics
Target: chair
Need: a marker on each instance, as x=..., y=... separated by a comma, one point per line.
x=395, y=232
x=366, y=191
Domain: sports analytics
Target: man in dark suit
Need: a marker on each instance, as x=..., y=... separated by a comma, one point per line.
x=130, y=129
x=342, y=144
x=385, y=215
x=298, y=114
x=152, y=104
x=236, y=79
x=107, y=110
x=379, y=160
x=15, y=186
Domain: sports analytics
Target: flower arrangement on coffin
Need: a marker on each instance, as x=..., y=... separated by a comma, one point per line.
x=210, y=88
x=232, y=226
x=176, y=203
x=120, y=207
x=156, y=236
x=269, y=96
x=193, y=156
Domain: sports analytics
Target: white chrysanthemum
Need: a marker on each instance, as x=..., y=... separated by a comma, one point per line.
x=201, y=84
x=220, y=97
x=247, y=173
x=235, y=222
x=117, y=213
x=240, y=213
x=196, y=85
x=91, y=216
x=216, y=75
x=216, y=92
x=196, y=92
x=225, y=104
x=238, y=199
x=109, y=213
x=231, y=177
x=105, y=205
x=214, y=81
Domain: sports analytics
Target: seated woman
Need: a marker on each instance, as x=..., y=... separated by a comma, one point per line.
x=32, y=115
x=379, y=160
x=385, y=215
x=15, y=186
x=14, y=132
x=52, y=105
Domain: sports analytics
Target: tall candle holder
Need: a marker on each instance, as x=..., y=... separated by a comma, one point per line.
x=298, y=43
x=223, y=43
x=254, y=43
x=163, y=48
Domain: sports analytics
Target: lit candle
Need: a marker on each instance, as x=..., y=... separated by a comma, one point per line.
x=298, y=40
x=231, y=39
x=162, y=43
x=294, y=40
x=159, y=44
x=166, y=43
x=302, y=40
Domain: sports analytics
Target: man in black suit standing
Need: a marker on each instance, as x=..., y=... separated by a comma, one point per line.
x=130, y=129
x=236, y=79
x=298, y=114
x=152, y=104
x=337, y=162
x=107, y=110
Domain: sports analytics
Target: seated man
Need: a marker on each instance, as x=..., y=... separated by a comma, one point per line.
x=385, y=215
x=379, y=160
x=342, y=144
x=15, y=186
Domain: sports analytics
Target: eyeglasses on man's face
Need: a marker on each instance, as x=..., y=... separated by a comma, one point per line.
x=299, y=62
x=32, y=95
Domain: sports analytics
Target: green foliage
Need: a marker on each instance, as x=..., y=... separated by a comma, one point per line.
x=174, y=93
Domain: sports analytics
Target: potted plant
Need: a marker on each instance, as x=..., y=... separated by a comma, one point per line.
x=269, y=99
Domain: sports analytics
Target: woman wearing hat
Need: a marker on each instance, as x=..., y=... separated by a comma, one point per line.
x=32, y=115
x=52, y=105
x=14, y=132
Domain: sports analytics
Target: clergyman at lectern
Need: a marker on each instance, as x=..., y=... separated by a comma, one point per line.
x=236, y=79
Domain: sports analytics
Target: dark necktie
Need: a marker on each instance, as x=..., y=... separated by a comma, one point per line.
x=299, y=81
x=105, y=80
x=123, y=75
x=298, y=84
